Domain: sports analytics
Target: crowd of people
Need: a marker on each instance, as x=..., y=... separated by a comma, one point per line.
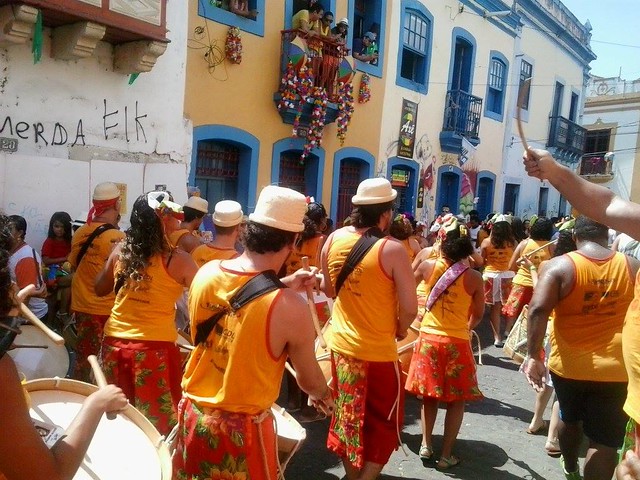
x=246, y=314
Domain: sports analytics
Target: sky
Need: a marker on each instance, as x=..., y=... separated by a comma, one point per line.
x=615, y=37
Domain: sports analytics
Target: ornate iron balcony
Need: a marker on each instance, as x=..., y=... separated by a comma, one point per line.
x=566, y=135
x=462, y=113
x=596, y=167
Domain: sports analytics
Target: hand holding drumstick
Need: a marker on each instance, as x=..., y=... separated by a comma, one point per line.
x=312, y=307
x=101, y=380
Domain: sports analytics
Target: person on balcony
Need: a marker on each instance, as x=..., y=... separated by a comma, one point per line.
x=305, y=20
x=340, y=31
x=366, y=49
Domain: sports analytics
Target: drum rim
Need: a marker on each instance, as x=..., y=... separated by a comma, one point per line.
x=130, y=412
x=51, y=346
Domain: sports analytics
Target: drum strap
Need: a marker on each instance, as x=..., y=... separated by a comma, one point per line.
x=445, y=281
x=357, y=253
x=259, y=285
x=85, y=246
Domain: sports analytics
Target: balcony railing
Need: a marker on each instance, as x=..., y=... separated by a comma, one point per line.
x=462, y=114
x=566, y=135
x=324, y=55
x=596, y=165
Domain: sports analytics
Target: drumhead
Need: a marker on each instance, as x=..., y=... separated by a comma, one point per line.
x=49, y=362
x=126, y=448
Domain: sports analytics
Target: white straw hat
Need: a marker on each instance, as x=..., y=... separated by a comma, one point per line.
x=197, y=203
x=227, y=213
x=105, y=191
x=280, y=208
x=344, y=21
x=373, y=191
x=502, y=218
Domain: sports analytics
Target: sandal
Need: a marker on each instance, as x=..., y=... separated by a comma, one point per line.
x=540, y=430
x=426, y=452
x=446, y=463
x=552, y=448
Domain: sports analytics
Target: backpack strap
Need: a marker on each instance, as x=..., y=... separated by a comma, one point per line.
x=450, y=275
x=357, y=253
x=85, y=246
x=263, y=283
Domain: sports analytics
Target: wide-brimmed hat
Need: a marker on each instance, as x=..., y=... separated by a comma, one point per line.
x=106, y=191
x=197, y=203
x=280, y=208
x=227, y=213
x=344, y=21
x=373, y=191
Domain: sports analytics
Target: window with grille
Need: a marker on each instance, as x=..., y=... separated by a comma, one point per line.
x=292, y=172
x=526, y=71
x=598, y=141
x=497, y=79
x=350, y=174
x=217, y=170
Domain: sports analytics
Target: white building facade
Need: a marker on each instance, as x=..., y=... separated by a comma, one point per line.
x=81, y=114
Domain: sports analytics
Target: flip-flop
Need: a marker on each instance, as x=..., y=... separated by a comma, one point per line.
x=552, y=448
x=446, y=463
x=540, y=430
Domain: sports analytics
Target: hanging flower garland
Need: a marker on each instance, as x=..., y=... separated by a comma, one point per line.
x=345, y=109
x=288, y=88
x=364, y=95
x=304, y=85
x=316, y=127
x=233, y=45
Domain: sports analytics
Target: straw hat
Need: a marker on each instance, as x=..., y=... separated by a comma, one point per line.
x=227, y=213
x=502, y=218
x=280, y=208
x=373, y=191
x=106, y=191
x=198, y=203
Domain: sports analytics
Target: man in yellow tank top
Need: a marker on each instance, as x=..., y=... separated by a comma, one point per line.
x=604, y=206
x=375, y=305
x=233, y=377
x=187, y=237
x=589, y=290
x=91, y=311
x=227, y=217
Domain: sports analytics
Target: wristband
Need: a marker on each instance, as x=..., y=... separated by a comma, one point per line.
x=532, y=268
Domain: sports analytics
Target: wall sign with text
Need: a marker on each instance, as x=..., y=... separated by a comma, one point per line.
x=407, y=138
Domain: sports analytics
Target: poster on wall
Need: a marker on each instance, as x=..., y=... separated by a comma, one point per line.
x=407, y=138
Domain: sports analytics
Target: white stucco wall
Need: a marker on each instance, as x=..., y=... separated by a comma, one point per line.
x=71, y=118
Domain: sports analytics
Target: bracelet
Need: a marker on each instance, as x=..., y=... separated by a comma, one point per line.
x=532, y=268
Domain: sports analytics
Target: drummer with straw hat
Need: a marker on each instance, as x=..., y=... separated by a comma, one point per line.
x=100, y=234
x=233, y=376
x=227, y=217
x=187, y=236
x=375, y=304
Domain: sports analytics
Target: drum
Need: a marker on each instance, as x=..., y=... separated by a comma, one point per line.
x=515, y=347
x=51, y=361
x=406, y=345
x=125, y=448
x=290, y=435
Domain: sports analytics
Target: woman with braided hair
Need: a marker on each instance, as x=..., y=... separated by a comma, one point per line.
x=24, y=454
x=139, y=352
x=442, y=367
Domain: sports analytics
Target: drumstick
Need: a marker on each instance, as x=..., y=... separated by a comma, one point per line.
x=541, y=248
x=28, y=314
x=524, y=90
x=101, y=380
x=28, y=346
x=290, y=369
x=312, y=306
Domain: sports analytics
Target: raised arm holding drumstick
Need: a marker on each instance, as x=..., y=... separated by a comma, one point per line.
x=24, y=454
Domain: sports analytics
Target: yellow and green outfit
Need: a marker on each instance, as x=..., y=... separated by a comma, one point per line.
x=230, y=382
x=370, y=402
x=139, y=352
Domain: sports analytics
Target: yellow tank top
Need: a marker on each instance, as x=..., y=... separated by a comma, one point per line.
x=364, y=316
x=175, y=236
x=498, y=259
x=83, y=296
x=449, y=315
x=206, y=252
x=407, y=247
x=310, y=248
x=235, y=370
x=631, y=353
x=148, y=312
x=586, y=340
x=523, y=275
